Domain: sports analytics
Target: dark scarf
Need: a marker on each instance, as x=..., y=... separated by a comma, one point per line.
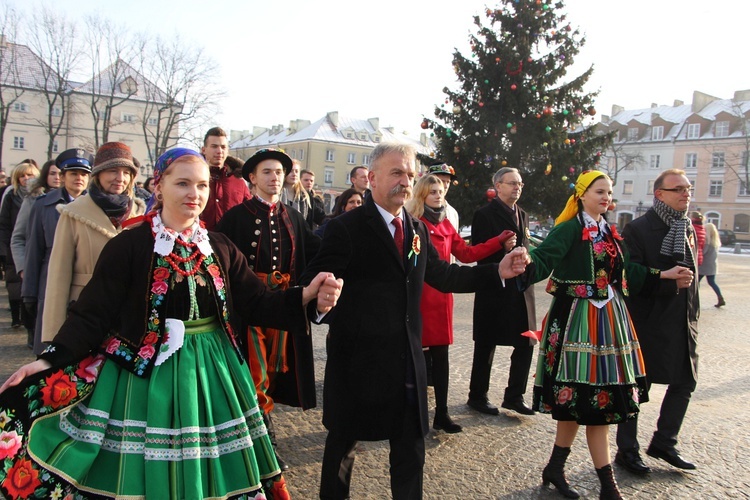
x=434, y=215
x=674, y=244
x=115, y=206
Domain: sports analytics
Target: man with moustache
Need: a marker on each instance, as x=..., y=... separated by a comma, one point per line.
x=277, y=243
x=375, y=384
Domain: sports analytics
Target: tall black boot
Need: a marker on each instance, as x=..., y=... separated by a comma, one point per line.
x=272, y=436
x=554, y=472
x=610, y=491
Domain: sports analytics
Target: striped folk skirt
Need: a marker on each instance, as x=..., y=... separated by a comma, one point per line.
x=590, y=367
x=192, y=430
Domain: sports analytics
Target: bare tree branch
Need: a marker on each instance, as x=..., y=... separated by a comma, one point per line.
x=11, y=86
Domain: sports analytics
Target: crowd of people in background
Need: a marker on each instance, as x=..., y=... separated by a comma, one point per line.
x=230, y=260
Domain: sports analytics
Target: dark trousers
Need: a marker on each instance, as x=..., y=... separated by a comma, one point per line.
x=438, y=357
x=406, y=462
x=518, y=377
x=672, y=413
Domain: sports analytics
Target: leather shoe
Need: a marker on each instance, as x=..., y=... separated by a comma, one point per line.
x=483, y=406
x=671, y=456
x=631, y=460
x=518, y=407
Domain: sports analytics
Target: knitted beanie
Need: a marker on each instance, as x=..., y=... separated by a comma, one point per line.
x=112, y=155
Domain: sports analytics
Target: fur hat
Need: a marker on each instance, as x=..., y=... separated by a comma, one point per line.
x=113, y=155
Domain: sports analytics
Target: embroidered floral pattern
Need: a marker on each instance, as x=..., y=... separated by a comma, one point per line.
x=602, y=399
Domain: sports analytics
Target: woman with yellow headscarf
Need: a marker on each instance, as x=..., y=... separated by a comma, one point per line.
x=590, y=370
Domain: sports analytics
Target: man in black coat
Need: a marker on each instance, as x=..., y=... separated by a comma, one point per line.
x=666, y=320
x=277, y=243
x=501, y=315
x=375, y=383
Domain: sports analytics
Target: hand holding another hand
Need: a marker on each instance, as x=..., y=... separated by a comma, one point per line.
x=682, y=275
x=514, y=263
x=326, y=289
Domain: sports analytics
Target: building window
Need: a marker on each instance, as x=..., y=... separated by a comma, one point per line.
x=351, y=158
x=57, y=111
x=349, y=134
x=743, y=191
x=715, y=188
x=19, y=142
x=328, y=178
x=650, y=188
x=153, y=121
x=712, y=217
x=55, y=147
x=21, y=107
x=694, y=130
x=657, y=133
x=627, y=187
x=129, y=118
x=722, y=129
x=329, y=155
x=632, y=134
x=363, y=136
x=301, y=154
x=691, y=160
x=365, y=159
x=376, y=138
x=717, y=161
x=292, y=154
x=654, y=161
x=742, y=223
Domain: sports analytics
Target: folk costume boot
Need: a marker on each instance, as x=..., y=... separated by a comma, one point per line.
x=443, y=421
x=609, y=491
x=554, y=472
x=272, y=436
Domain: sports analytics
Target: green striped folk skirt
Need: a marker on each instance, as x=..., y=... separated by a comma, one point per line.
x=191, y=431
x=590, y=367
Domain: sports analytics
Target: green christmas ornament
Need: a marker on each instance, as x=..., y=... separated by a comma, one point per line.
x=565, y=112
x=509, y=125
x=547, y=128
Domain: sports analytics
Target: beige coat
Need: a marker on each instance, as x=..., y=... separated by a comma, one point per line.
x=81, y=233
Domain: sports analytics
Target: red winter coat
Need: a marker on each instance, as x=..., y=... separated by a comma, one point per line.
x=437, y=307
x=700, y=235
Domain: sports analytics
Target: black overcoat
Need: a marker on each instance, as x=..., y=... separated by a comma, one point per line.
x=376, y=328
x=502, y=314
x=665, y=317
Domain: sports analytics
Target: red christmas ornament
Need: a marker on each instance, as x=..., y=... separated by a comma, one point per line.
x=513, y=87
x=491, y=194
x=425, y=124
x=547, y=111
x=592, y=110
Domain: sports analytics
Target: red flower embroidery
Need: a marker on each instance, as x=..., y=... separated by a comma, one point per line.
x=151, y=338
x=565, y=395
x=602, y=282
x=602, y=399
x=581, y=291
x=598, y=247
x=146, y=352
x=213, y=270
x=161, y=274
x=22, y=479
x=550, y=358
x=10, y=443
x=553, y=338
x=159, y=287
x=60, y=390
x=113, y=345
x=219, y=283
x=88, y=369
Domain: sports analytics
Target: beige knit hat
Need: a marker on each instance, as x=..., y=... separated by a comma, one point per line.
x=112, y=155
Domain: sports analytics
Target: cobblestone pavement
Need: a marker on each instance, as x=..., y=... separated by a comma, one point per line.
x=502, y=457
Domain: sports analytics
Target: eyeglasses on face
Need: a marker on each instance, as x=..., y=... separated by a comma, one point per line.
x=513, y=183
x=680, y=190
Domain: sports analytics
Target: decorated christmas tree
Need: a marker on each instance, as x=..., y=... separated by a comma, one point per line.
x=516, y=106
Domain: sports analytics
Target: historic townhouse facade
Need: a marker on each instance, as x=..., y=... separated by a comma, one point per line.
x=331, y=146
x=708, y=138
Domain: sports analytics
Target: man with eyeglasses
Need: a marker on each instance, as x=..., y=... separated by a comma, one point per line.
x=501, y=315
x=666, y=319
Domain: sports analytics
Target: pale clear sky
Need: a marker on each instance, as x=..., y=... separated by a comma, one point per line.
x=288, y=59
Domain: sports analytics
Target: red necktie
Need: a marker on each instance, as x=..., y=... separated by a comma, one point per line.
x=398, y=236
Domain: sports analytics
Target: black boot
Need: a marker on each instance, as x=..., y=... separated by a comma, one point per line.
x=443, y=421
x=721, y=302
x=555, y=474
x=15, y=313
x=609, y=485
x=30, y=338
x=272, y=436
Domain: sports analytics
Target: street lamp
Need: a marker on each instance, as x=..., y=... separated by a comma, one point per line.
x=639, y=210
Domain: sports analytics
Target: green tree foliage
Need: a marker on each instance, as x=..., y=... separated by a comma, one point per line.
x=515, y=107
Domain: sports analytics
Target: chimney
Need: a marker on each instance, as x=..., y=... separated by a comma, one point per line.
x=678, y=103
x=742, y=95
x=616, y=110
x=236, y=135
x=333, y=117
x=605, y=119
x=701, y=100
x=654, y=105
x=375, y=123
x=258, y=131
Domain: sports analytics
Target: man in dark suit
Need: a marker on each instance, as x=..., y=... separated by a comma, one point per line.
x=666, y=320
x=516, y=308
x=375, y=383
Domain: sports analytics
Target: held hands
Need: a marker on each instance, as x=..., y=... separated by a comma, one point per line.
x=23, y=372
x=326, y=289
x=514, y=263
x=682, y=275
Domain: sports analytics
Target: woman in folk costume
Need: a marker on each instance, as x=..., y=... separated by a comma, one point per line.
x=428, y=204
x=112, y=409
x=590, y=370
